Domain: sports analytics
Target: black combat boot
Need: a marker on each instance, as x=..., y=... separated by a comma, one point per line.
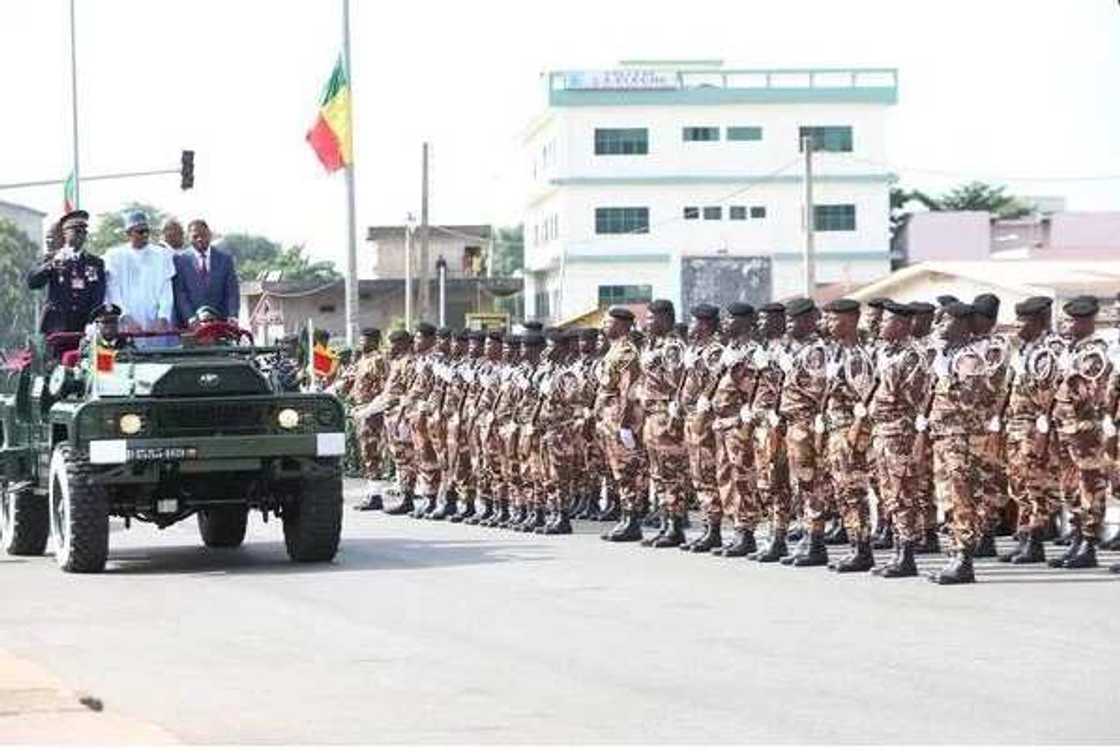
x=959, y=570
x=500, y=516
x=903, y=565
x=801, y=550
x=1020, y=543
x=484, y=510
x=1112, y=543
x=710, y=539
x=404, y=507
x=516, y=516
x=579, y=504
x=1085, y=556
x=431, y=502
x=648, y=541
x=775, y=550
x=859, y=561
x=560, y=524
x=1032, y=550
x=673, y=536
x=372, y=501
x=815, y=555
x=1050, y=532
x=986, y=546
x=742, y=545
x=590, y=509
x=884, y=538
x=447, y=507
x=466, y=510
x=836, y=534
x=1074, y=545
x=612, y=512
x=796, y=532
x=628, y=529
x=930, y=543
x=537, y=521
x=1115, y=569
x=653, y=519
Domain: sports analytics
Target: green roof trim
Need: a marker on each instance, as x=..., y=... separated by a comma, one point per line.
x=664, y=180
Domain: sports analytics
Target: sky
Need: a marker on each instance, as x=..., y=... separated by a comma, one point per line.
x=988, y=89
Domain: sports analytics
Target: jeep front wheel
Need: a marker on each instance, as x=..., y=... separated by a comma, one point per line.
x=223, y=526
x=79, y=513
x=24, y=522
x=313, y=519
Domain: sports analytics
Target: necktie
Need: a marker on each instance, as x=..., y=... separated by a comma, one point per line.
x=203, y=270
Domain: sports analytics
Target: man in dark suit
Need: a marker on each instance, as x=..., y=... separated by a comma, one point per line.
x=204, y=276
x=75, y=280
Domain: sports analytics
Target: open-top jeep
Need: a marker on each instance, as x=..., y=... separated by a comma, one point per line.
x=160, y=434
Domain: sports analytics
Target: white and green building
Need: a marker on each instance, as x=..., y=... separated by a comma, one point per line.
x=636, y=171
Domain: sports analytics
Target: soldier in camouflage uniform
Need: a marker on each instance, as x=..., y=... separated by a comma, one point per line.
x=850, y=375
x=369, y=380
x=1084, y=423
x=522, y=469
x=560, y=412
x=662, y=362
x=803, y=394
x=1026, y=420
x=592, y=462
x=734, y=427
x=921, y=334
x=461, y=445
x=771, y=463
x=421, y=405
x=498, y=416
x=447, y=398
x=391, y=403
x=896, y=401
x=954, y=422
x=619, y=415
x=480, y=411
x=694, y=404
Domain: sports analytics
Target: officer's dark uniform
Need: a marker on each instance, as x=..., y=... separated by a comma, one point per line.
x=75, y=288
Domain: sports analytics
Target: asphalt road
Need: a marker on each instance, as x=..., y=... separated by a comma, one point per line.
x=425, y=632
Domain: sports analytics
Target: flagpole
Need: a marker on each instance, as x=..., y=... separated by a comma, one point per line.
x=351, y=225
x=74, y=105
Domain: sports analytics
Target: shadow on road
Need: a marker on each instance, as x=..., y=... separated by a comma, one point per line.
x=354, y=554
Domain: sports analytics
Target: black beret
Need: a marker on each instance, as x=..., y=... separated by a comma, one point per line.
x=463, y=335
x=878, y=302
x=959, y=310
x=105, y=311
x=495, y=334
x=1081, y=306
x=556, y=334
x=589, y=333
x=773, y=308
x=740, y=308
x=533, y=326
x=397, y=335
x=475, y=335
x=444, y=332
x=921, y=307
x=800, y=307
x=426, y=328
x=621, y=312
x=945, y=300
x=371, y=332
x=899, y=309
x=1033, y=306
x=842, y=306
x=533, y=339
x=987, y=305
x=512, y=339
x=662, y=306
x=77, y=215
x=705, y=311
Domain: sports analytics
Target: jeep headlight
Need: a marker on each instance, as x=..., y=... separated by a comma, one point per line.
x=288, y=418
x=130, y=423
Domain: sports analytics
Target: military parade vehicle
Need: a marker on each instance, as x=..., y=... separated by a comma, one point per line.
x=141, y=429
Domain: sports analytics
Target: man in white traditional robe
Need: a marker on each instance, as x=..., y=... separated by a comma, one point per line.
x=140, y=275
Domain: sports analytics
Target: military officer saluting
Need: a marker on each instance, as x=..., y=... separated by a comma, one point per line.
x=75, y=279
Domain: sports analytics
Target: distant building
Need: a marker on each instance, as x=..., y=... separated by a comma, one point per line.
x=465, y=248
x=638, y=169
x=29, y=220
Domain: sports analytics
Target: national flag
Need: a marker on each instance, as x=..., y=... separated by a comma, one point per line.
x=324, y=361
x=68, y=195
x=104, y=358
x=330, y=136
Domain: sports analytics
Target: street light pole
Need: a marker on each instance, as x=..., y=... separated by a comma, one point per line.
x=74, y=105
x=441, y=267
x=410, y=224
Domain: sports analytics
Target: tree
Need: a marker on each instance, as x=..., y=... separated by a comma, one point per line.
x=18, y=254
x=968, y=197
x=509, y=251
x=108, y=229
x=256, y=255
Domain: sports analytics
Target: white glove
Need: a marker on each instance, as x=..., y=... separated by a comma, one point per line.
x=627, y=438
x=994, y=424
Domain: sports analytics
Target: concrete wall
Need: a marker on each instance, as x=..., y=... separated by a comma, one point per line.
x=386, y=255
x=948, y=236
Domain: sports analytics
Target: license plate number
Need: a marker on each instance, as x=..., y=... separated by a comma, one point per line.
x=163, y=453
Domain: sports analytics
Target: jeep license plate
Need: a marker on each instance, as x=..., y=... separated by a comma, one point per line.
x=163, y=453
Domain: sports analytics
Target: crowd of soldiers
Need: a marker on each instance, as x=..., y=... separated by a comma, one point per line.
x=792, y=416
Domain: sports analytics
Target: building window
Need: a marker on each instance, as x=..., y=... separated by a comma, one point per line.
x=611, y=295
x=744, y=133
x=758, y=213
x=621, y=141
x=701, y=133
x=713, y=213
x=826, y=138
x=737, y=213
x=327, y=308
x=541, y=300
x=828, y=217
x=619, y=220
x=692, y=213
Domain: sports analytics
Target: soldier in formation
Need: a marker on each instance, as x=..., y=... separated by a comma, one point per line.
x=870, y=418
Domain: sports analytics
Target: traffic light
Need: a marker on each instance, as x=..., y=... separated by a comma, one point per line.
x=186, y=170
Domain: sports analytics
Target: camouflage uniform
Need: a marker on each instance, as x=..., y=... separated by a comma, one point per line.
x=1029, y=434
x=803, y=393
x=662, y=366
x=488, y=464
x=620, y=422
x=561, y=411
x=457, y=466
x=369, y=380
x=850, y=376
x=992, y=454
x=770, y=460
x=702, y=371
x=527, y=439
x=422, y=415
x=397, y=433
x=734, y=424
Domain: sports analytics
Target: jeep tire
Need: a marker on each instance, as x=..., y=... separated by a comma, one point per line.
x=79, y=513
x=223, y=525
x=313, y=519
x=25, y=522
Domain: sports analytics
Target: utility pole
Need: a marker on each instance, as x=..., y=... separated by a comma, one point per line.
x=410, y=225
x=809, y=219
x=441, y=270
x=352, y=248
x=425, y=294
x=74, y=105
